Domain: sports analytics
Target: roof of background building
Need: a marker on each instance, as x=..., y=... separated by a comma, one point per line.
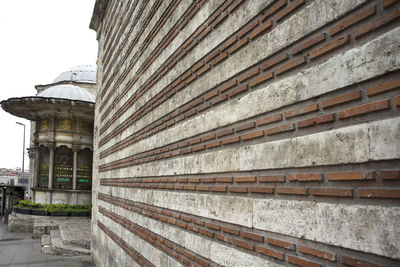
x=67, y=91
x=83, y=73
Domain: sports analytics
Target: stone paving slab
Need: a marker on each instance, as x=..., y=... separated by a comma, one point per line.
x=19, y=249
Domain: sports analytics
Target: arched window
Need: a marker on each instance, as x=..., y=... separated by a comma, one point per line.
x=63, y=168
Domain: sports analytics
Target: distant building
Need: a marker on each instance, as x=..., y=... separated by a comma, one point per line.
x=61, y=136
x=13, y=177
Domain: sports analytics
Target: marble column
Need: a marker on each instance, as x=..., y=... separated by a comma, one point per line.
x=32, y=170
x=51, y=170
x=75, y=149
x=36, y=173
x=51, y=166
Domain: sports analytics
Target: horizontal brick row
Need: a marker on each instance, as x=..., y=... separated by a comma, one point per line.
x=161, y=96
x=140, y=27
x=117, y=33
x=172, y=249
x=229, y=46
x=108, y=52
x=158, y=26
x=259, y=129
x=110, y=11
x=320, y=119
x=343, y=176
x=323, y=184
x=261, y=243
x=117, y=38
x=109, y=25
x=207, y=101
x=259, y=188
x=109, y=20
x=357, y=262
x=133, y=253
x=377, y=23
x=352, y=20
x=233, y=92
x=241, y=237
x=168, y=38
x=143, y=25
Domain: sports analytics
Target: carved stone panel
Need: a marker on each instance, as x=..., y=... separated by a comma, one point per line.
x=64, y=124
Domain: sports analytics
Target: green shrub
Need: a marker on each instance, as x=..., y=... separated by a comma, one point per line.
x=76, y=210
x=25, y=202
x=53, y=208
x=66, y=208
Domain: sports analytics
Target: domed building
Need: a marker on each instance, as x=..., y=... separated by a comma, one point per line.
x=61, y=144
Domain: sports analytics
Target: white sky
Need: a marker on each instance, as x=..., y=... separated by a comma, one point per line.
x=39, y=39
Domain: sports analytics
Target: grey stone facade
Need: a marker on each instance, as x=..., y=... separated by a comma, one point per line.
x=247, y=133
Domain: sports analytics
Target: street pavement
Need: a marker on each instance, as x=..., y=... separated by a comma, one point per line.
x=19, y=249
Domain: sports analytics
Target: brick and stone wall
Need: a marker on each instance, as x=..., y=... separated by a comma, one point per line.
x=247, y=133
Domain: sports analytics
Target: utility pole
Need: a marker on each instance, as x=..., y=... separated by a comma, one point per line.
x=23, y=148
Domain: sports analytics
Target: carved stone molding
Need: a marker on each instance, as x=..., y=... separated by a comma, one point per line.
x=32, y=152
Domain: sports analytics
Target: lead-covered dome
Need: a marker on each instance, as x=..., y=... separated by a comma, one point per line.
x=67, y=91
x=83, y=73
x=61, y=98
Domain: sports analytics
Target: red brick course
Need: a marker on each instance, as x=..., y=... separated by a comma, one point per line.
x=356, y=95
x=363, y=109
x=357, y=17
x=350, y=261
x=305, y=177
x=301, y=111
x=379, y=193
x=302, y=262
x=270, y=252
x=317, y=253
x=349, y=176
x=281, y=243
x=333, y=192
x=383, y=87
x=329, y=47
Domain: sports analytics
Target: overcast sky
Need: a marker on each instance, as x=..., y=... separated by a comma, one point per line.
x=39, y=40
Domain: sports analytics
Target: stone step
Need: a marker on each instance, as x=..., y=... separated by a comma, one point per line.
x=45, y=240
x=41, y=227
x=57, y=246
x=76, y=234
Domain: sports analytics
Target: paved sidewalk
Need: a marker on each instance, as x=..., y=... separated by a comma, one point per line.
x=19, y=249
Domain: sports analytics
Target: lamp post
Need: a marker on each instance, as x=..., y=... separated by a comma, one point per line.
x=23, y=149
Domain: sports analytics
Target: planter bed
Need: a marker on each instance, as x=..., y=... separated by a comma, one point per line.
x=79, y=214
x=24, y=211
x=39, y=212
x=59, y=210
x=59, y=213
